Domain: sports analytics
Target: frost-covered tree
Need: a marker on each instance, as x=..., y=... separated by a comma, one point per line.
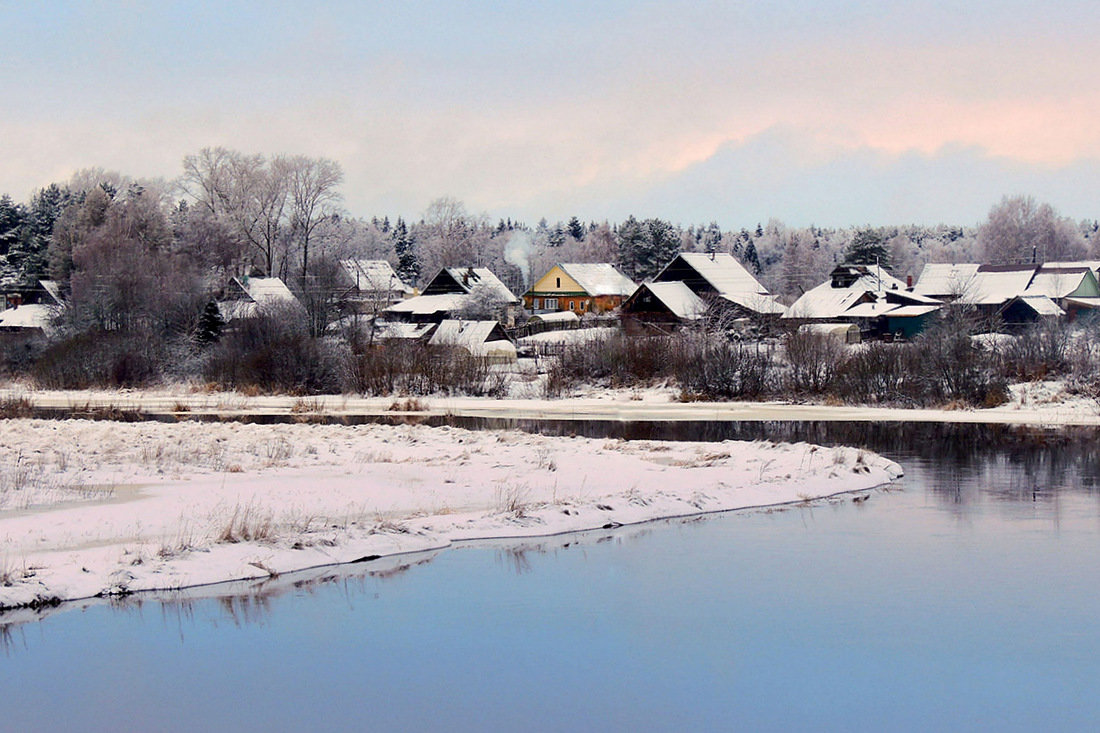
x=1019, y=229
x=868, y=247
x=408, y=265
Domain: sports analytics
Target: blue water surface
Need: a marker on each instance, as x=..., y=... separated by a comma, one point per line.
x=965, y=600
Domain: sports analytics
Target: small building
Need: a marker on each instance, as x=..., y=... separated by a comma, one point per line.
x=483, y=339
x=1072, y=286
x=869, y=297
x=371, y=285
x=718, y=285
x=455, y=290
x=249, y=297
x=845, y=333
x=579, y=288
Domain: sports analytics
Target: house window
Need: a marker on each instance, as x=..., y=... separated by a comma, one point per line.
x=584, y=303
x=535, y=303
x=551, y=304
x=572, y=306
x=559, y=283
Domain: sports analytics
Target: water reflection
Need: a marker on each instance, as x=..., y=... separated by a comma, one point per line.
x=967, y=470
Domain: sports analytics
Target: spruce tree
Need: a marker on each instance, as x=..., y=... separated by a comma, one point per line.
x=408, y=266
x=210, y=326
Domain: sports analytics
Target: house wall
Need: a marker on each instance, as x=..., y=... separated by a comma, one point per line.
x=570, y=296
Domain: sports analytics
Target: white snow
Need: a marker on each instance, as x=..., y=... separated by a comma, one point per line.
x=100, y=508
x=599, y=278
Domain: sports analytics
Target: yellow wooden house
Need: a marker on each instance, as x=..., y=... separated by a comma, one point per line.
x=580, y=288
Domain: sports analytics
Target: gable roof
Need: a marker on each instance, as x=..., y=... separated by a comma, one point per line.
x=599, y=278
x=28, y=317
x=680, y=300
x=373, y=276
x=1059, y=282
x=453, y=332
x=720, y=270
x=871, y=285
x=465, y=280
x=426, y=305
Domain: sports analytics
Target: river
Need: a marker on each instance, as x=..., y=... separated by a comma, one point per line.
x=963, y=599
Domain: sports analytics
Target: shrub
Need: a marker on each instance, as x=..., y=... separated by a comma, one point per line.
x=813, y=359
x=412, y=367
x=101, y=359
x=274, y=352
x=710, y=367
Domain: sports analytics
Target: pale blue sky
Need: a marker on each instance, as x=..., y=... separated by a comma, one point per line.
x=830, y=112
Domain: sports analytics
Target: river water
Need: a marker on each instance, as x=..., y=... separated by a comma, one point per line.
x=964, y=599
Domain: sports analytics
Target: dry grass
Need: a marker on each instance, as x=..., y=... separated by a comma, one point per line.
x=513, y=499
x=16, y=406
x=409, y=404
x=247, y=524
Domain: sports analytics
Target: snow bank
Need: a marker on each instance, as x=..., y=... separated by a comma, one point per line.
x=102, y=508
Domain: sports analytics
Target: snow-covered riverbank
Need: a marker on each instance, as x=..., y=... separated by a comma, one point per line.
x=1032, y=403
x=99, y=507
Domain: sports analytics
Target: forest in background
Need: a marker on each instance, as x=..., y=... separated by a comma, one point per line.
x=134, y=251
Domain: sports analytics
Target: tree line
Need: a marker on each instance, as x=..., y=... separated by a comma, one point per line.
x=151, y=254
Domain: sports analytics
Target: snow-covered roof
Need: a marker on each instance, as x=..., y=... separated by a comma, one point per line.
x=976, y=284
x=756, y=302
x=374, y=276
x=466, y=279
x=263, y=290
x=401, y=330
x=873, y=290
x=480, y=338
x=32, y=316
x=599, y=278
x=912, y=311
x=54, y=289
x=556, y=317
x=1042, y=305
x=678, y=298
x=1057, y=282
x=945, y=279
x=722, y=270
x=1084, y=302
x=426, y=305
x=1093, y=265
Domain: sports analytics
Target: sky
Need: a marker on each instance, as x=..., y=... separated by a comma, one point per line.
x=832, y=113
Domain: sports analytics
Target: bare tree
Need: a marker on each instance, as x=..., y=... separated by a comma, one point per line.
x=1019, y=229
x=313, y=197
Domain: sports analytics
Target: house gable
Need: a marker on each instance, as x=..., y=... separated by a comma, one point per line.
x=557, y=282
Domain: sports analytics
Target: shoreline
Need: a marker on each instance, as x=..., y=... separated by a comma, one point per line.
x=222, y=502
x=656, y=404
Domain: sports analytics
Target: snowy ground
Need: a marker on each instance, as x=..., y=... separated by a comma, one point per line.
x=1034, y=403
x=98, y=507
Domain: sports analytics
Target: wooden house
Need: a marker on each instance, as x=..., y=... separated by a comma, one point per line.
x=579, y=288
x=869, y=297
x=369, y=286
x=455, y=290
x=695, y=285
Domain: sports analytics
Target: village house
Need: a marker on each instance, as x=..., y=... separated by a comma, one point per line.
x=695, y=285
x=29, y=313
x=579, y=288
x=1016, y=294
x=455, y=291
x=368, y=286
x=869, y=297
x=249, y=297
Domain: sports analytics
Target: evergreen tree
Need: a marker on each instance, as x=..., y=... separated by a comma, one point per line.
x=868, y=247
x=660, y=244
x=556, y=236
x=576, y=229
x=408, y=266
x=751, y=258
x=11, y=221
x=711, y=238
x=631, y=239
x=29, y=254
x=210, y=326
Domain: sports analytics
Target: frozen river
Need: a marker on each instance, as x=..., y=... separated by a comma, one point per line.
x=966, y=599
